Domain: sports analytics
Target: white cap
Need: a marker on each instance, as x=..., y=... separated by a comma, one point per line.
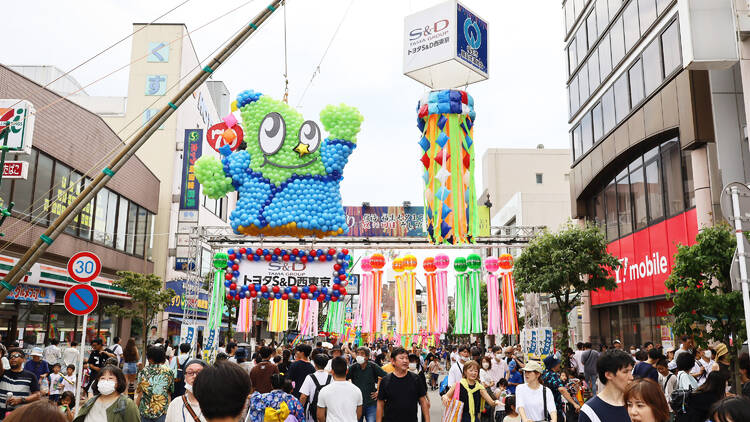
x=37, y=351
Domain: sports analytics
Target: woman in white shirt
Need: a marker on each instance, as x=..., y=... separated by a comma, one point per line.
x=685, y=363
x=529, y=399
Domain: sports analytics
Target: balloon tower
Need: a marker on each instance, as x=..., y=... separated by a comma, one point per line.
x=445, y=119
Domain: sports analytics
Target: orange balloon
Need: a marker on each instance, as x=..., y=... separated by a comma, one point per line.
x=398, y=265
x=506, y=261
x=377, y=261
x=229, y=135
x=410, y=262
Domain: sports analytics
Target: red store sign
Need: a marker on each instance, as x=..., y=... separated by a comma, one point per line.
x=647, y=257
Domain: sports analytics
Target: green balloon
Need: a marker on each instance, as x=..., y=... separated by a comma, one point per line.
x=474, y=261
x=459, y=264
x=220, y=260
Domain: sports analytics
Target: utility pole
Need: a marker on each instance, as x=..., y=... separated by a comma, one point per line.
x=58, y=226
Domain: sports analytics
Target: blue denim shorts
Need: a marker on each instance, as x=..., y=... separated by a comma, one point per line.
x=130, y=368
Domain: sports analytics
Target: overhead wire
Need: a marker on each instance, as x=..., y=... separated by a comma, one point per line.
x=316, y=71
x=97, y=166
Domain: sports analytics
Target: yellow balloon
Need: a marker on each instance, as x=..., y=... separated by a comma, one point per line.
x=234, y=105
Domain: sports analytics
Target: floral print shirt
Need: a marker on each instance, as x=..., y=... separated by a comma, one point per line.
x=155, y=383
x=259, y=402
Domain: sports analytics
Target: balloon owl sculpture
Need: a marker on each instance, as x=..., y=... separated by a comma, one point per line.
x=287, y=175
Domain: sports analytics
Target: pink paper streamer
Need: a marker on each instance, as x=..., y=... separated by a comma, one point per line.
x=494, y=325
x=245, y=318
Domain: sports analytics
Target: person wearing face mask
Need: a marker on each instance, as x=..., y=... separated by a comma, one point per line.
x=499, y=366
x=705, y=364
x=109, y=403
x=457, y=368
x=366, y=375
x=186, y=408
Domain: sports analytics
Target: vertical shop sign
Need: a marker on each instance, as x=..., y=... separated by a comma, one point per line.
x=190, y=187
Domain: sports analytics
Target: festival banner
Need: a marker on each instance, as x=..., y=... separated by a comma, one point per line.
x=286, y=273
x=190, y=188
x=385, y=221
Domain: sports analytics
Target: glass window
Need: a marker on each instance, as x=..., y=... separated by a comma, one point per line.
x=586, y=134
x=630, y=21
x=652, y=75
x=670, y=46
x=610, y=198
x=581, y=43
x=617, y=36
x=599, y=212
x=593, y=65
x=74, y=189
x=661, y=5
x=579, y=6
x=59, y=189
x=85, y=217
x=636, y=83
x=130, y=231
x=672, y=178
x=602, y=15
x=100, y=216
x=605, y=58
x=22, y=189
x=140, y=237
x=577, y=141
x=539, y=178
x=570, y=15
x=596, y=118
x=150, y=237
x=41, y=190
x=654, y=190
x=608, y=110
x=614, y=7
x=583, y=83
x=111, y=218
x=624, y=210
x=122, y=219
x=622, y=97
x=638, y=190
x=687, y=177
x=573, y=94
x=572, y=58
x=646, y=13
x=591, y=28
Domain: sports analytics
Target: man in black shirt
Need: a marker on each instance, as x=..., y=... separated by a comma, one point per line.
x=96, y=360
x=400, y=392
x=300, y=368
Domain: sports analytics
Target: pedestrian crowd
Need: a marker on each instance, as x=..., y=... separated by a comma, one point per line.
x=378, y=382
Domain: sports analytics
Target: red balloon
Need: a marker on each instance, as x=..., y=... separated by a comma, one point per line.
x=313, y=288
x=294, y=289
x=322, y=258
x=271, y=297
x=342, y=277
x=268, y=257
x=285, y=296
x=342, y=291
x=232, y=257
x=243, y=251
x=229, y=297
x=237, y=297
x=336, y=267
x=320, y=298
x=285, y=257
x=334, y=298
x=277, y=251
x=345, y=251
x=275, y=289
x=228, y=276
x=313, y=252
x=235, y=267
x=263, y=289
x=331, y=251
x=233, y=286
x=253, y=293
x=336, y=286
x=303, y=259
x=295, y=251
x=303, y=296
x=259, y=251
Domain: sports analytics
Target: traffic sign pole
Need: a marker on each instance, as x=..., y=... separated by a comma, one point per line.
x=79, y=368
x=737, y=216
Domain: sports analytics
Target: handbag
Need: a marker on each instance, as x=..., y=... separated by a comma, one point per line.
x=455, y=409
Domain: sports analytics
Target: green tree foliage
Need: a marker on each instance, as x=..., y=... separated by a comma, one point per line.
x=705, y=306
x=565, y=265
x=149, y=298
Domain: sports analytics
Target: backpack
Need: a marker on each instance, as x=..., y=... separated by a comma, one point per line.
x=312, y=405
x=181, y=371
x=444, y=385
x=678, y=400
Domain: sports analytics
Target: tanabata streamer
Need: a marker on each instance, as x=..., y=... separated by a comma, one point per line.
x=446, y=119
x=370, y=299
x=437, y=304
x=335, y=318
x=406, y=290
x=286, y=174
x=308, y=318
x=245, y=316
x=474, y=263
x=494, y=325
x=278, y=316
x=510, y=318
x=468, y=308
x=216, y=308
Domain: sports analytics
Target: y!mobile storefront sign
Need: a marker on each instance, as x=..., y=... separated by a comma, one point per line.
x=647, y=257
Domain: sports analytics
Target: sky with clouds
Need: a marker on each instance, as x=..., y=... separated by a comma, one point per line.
x=521, y=105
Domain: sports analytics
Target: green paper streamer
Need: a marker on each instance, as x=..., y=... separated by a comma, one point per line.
x=335, y=318
x=475, y=305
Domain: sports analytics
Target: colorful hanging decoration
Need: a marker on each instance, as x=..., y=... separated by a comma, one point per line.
x=474, y=264
x=446, y=120
x=308, y=318
x=286, y=174
x=405, y=295
x=510, y=317
x=335, y=318
x=370, y=298
x=494, y=316
x=237, y=287
x=468, y=308
x=278, y=316
x=216, y=308
x=437, y=301
x=245, y=316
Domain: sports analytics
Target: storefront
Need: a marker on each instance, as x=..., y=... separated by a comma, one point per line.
x=177, y=308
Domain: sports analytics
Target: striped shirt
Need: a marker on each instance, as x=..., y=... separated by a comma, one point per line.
x=21, y=384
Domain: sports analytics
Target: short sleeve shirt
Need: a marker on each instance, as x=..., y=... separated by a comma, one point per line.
x=604, y=411
x=401, y=396
x=260, y=376
x=553, y=382
x=366, y=380
x=155, y=382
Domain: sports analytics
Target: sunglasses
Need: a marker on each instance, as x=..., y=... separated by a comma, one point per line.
x=16, y=355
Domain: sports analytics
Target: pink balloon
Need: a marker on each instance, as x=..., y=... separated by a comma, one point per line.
x=365, y=265
x=491, y=264
x=442, y=261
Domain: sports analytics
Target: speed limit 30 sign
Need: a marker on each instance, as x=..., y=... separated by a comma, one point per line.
x=84, y=267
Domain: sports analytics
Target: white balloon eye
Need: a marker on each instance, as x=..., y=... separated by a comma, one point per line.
x=309, y=134
x=271, y=133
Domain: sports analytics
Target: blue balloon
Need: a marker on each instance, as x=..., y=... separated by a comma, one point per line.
x=319, y=251
x=277, y=295
x=230, y=251
x=243, y=288
x=306, y=289
x=256, y=257
x=227, y=283
x=265, y=295
x=265, y=251
x=329, y=257
x=292, y=258
x=284, y=252
x=324, y=290
x=233, y=292
x=296, y=296
x=287, y=290
x=236, y=273
x=274, y=258
x=256, y=287
x=336, y=293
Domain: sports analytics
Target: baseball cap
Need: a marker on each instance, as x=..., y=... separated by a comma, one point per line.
x=550, y=362
x=532, y=366
x=672, y=365
x=617, y=341
x=37, y=351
